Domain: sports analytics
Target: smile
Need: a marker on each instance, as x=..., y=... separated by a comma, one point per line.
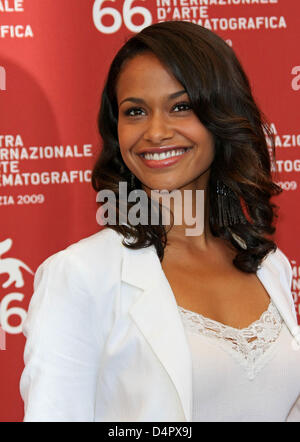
x=164, y=155
x=165, y=158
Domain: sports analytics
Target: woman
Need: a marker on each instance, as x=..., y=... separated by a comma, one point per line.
x=143, y=322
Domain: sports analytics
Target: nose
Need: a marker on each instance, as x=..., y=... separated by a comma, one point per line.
x=158, y=129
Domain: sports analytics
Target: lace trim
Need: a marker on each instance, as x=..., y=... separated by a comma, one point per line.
x=250, y=346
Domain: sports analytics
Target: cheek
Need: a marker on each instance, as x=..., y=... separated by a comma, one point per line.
x=201, y=137
x=127, y=137
x=208, y=141
x=205, y=152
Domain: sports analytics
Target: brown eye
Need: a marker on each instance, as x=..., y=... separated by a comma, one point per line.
x=134, y=112
x=181, y=107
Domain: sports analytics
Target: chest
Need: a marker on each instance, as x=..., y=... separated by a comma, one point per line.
x=216, y=289
x=230, y=374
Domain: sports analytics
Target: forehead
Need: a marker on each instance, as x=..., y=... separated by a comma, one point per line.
x=145, y=74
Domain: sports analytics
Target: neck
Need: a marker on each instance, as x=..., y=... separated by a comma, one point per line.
x=190, y=208
x=194, y=231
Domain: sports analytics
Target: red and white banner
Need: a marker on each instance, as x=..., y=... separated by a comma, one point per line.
x=54, y=56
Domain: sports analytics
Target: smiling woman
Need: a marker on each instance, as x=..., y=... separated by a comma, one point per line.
x=141, y=322
x=179, y=88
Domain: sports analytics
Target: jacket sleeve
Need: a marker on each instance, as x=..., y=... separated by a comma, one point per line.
x=294, y=414
x=62, y=352
x=287, y=274
x=286, y=267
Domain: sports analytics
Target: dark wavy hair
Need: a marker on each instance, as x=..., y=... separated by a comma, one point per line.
x=221, y=98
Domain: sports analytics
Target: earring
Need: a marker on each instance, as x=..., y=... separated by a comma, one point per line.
x=229, y=207
x=239, y=240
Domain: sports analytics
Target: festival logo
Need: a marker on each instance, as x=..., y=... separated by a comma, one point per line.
x=14, y=268
x=11, y=266
x=109, y=16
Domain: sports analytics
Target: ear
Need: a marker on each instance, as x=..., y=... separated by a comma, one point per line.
x=5, y=245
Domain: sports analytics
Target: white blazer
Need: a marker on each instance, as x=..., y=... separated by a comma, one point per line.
x=105, y=341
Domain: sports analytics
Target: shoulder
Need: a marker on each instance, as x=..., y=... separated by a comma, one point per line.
x=92, y=247
x=77, y=280
x=89, y=259
x=279, y=263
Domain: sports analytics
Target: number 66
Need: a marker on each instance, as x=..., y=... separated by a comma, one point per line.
x=128, y=13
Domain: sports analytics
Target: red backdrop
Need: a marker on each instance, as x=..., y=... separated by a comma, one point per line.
x=54, y=56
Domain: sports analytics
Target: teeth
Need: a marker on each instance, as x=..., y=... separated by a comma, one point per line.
x=164, y=155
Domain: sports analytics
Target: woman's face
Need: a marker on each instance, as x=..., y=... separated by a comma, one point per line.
x=161, y=140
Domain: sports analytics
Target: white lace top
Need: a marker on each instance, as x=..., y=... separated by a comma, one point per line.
x=250, y=374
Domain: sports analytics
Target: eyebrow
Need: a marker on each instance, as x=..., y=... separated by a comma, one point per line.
x=141, y=101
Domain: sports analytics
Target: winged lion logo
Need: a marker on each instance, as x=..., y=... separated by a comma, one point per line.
x=11, y=266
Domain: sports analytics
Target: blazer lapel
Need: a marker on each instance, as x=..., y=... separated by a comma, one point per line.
x=156, y=314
